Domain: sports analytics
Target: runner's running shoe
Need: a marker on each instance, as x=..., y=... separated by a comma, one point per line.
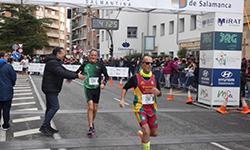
x=140, y=133
x=91, y=132
x=93, y=127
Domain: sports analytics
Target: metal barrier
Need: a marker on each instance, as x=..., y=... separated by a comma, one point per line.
x=181, y=80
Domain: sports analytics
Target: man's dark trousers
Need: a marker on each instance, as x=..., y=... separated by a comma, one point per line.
x=52, y=105
x=5, y=106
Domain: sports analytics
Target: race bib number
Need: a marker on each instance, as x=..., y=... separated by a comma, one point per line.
x=93, y=81
x=147, y=99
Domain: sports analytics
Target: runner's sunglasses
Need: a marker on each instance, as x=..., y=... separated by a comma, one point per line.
x=147, y=63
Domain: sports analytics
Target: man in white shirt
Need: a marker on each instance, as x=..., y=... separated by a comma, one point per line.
x=25, y=63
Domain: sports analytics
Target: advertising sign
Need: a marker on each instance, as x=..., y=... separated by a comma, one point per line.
x=226, y=77
x=230, y=6
x=227, y=59
x=207, y=41
x=206, y=59
x=220, y=94
x=228, y=41
x=229, y=22
x=207, y=22
x=205, y=94
x=205, y=76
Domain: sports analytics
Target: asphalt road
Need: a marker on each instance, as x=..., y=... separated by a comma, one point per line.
x=181, y=126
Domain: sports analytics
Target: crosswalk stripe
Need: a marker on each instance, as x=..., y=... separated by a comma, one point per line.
x=21, y=98
x=26, y=119
x=2, y=133
x=20, y=104
x=21, y=85
x=20, y=94
x=26, y=132
x=26, y=109
x=22, y=90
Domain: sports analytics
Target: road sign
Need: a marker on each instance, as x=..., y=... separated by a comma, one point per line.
x=75, y=51
x=80, y=50
x=108, y=24
x=20, y=50
x=20, y=45
x=16, y=55
x=75, y=46
x=15, y=47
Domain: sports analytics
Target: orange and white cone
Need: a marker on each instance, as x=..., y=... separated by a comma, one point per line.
x=190, y=99
x=111, y=81
x=223, y=107
x=133, y=89
x=170, y=97
x=245, y=110
x=120, y=86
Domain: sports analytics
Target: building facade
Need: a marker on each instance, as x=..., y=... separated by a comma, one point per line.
x=57, y=30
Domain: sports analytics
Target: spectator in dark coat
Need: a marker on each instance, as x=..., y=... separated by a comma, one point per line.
x=7, y=81
x=196, y=78
x=52, y=82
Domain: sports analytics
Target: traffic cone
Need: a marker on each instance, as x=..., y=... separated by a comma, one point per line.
x=223, y=107
x=120, y=86
x=170, y=97
x=111, y=81
x=133, y=89
x=190, y=99
x=246, y=110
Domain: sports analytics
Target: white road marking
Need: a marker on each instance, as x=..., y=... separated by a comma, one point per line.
x=78, y=82
x=21, y=85
x=21, y=94
x=22, y=90
x=26, y=109
x=120, y=100
x=26, y=119
x=26, y=103
x=26, y=132
x=2, y=133
x=22, y=98
x=220, y=146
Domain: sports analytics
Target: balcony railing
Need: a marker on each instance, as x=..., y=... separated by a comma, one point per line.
x=75, y=25
x=74, y=37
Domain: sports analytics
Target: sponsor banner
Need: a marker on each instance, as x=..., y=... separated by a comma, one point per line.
x=17, y=66
x=206, y=59
x=207, y=41
x=226, y=77
x=205, y=94
x=207, y=22
x=229, y=22
x=205, y=76
x=220, y=94
x=36, y=67
x=39, y=67
x=117, y=71
x=227, y=59
x=228, y=41
x=230, y=6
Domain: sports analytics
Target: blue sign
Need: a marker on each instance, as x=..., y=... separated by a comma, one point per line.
x=16, y=55
x=205, y=76
x=228, y=41
x=226, y=77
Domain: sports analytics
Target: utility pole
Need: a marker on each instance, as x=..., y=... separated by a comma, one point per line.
x=70, y=35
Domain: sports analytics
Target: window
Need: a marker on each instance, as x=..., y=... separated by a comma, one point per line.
x=62, y=41
x=107, y=12
x=40, y=9
x=154, y=31
x=181, y=25
x=171, y=54
x=193, y=22
x=53, y=12
x=102, y=36
x=46, y=10
x=62, y=32
x=132, y=32
x=171, y=27
x=162, y=29
x=37, y=17
x=53, y=31
x=62, y=23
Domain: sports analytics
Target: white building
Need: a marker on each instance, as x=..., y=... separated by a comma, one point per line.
x=133, y=26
